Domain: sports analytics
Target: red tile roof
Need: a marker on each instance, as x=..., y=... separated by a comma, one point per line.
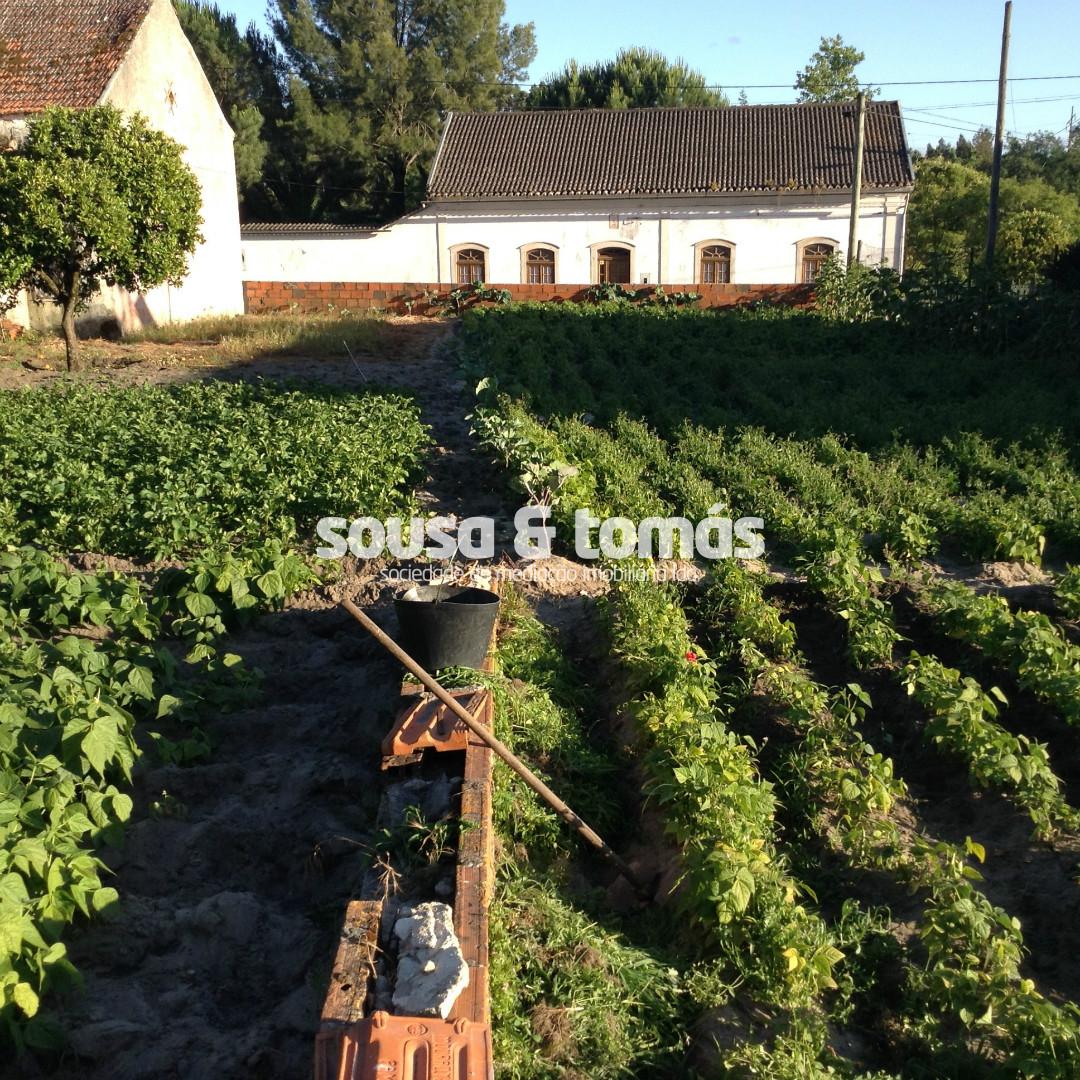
x=673, y=151
x=62, y=52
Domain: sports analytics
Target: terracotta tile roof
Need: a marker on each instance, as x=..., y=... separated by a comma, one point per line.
x=688, y=151
x=62, y=52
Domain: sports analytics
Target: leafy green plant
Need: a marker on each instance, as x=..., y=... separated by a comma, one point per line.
x=718, y=809
x=1042, y=657
x=962, y=719
x=162, y=472
x=855, y=293
x=608, y=292
x=475, y=292
x=1068, y=592
x=69, y=705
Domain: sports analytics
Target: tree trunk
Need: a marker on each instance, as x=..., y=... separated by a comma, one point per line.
x=71, y=339
x=399, y=172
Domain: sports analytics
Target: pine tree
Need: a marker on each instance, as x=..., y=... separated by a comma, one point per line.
x=636, y=78
x=370, y=85
x=243, y=68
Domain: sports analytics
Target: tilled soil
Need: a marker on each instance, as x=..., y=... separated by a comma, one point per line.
x=235, y=872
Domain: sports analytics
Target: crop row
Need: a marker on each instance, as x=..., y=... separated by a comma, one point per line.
x=161, y=472
x=988, y=999
x=1045, y=661
x=977, y=497
x=843, y=777
x=961, y=714
x=736, y=886
x=83, y=659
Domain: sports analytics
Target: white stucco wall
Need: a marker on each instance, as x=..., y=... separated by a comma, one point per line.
x=161, y=77
x=764, y=231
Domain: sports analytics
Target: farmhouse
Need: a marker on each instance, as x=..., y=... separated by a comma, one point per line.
x=132, y=54
x=729, y=201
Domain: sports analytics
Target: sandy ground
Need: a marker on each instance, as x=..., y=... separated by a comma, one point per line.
x=233, y=887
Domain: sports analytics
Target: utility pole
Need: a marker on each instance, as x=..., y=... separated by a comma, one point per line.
x=856, y=184
x=999, y=135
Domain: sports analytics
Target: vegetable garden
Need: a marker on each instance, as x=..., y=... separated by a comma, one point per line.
x=846, y=771
x=843, y=754
x=99, y=667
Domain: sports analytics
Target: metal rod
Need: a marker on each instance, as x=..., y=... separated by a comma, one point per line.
x=484, y=733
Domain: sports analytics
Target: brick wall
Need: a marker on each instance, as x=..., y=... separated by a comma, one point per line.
x=393, y=296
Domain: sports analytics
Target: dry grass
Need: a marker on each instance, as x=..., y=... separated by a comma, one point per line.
x=331, y=333
x=325, y=335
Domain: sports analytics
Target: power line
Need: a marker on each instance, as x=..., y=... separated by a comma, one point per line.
x=937, y=124
x=982, y=104
x=863, y=82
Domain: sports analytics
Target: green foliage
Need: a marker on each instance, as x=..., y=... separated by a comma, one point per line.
x=571, y=998
x=166, y=471
x=967, y=1007
x=830, y=73
x=855, y=293
x=1043, y=659
x=1041, y=155
x=948, y=215
x=608, y=292
x=837, y=778
x=1068, y=592
x=1031, y=240
x=636, y=78
x=243, y=69
x=717, y=808
x=1005, y=372
x=566, y=993
x=92, y=198
x=972, y=986
x=370, y=84
x=69, y=703
x=962, y=719
x=475, y=292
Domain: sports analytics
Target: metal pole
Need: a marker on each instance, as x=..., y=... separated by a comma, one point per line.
x=999, y=135
x=856, y=185
x=482, y=732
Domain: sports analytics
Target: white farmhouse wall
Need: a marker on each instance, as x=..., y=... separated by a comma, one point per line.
x=764, y=231
x=160, y=76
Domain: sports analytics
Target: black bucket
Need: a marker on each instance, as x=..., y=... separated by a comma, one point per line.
x=446, y=625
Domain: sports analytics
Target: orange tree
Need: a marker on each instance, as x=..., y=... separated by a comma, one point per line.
x=94, y=198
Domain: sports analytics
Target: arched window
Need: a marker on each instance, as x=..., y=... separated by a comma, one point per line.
x=812, y=258
x=540, y=266
x=715, y=265
x=613, y=265
x=470, y=266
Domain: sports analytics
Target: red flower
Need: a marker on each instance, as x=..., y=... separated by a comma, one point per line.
x=691, y=656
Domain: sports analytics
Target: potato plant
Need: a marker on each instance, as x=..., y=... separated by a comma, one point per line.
x=965, y=997
x=165, y=472
x=70, y=700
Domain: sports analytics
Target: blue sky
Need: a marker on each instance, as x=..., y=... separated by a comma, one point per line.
x=739, y=45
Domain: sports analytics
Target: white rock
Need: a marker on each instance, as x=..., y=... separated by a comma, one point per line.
x=431, y=970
